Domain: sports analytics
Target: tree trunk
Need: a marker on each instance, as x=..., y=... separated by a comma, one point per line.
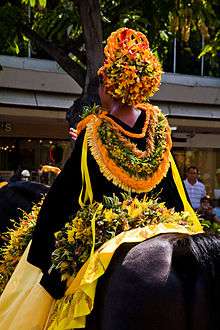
x=92, y=28
x=73, y=69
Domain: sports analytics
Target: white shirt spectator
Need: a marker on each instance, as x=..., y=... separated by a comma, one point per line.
x=195, y=191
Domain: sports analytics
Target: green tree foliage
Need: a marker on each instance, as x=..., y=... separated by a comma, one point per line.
x=212, y=49
x=11, y=41
x=58, y=29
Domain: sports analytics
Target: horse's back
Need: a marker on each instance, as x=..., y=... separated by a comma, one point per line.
x=161, y=283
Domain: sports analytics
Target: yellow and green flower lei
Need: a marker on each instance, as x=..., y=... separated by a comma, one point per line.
x=120, y=151
x=74, y=242
x=16, y=241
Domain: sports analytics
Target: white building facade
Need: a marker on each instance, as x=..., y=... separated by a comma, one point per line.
x=35, y=94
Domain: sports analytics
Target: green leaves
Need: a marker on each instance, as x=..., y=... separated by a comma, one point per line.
x=210, y=226
x=33, y=3
x=88, y=110
x=10, y=41
x=212, y=48
x=58, y=21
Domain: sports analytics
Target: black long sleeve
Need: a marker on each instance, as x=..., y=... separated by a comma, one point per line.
x=60, y=204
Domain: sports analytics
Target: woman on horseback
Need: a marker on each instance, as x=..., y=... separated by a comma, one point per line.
x=122, y=146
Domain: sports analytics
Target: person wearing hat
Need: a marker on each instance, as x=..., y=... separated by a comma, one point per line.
x=139, y=159
x=122, y=146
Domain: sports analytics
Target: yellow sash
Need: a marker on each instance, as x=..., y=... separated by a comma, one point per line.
x=187, y=207
x=2, y=184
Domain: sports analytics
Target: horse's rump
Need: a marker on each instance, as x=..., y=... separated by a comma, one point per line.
x=167, y=282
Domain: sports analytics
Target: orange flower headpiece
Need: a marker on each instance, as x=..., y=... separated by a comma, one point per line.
x=131, y=72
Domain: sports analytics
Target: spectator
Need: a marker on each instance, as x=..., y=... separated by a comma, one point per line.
x=195, y=189
x=25, y=175
x=206, y=210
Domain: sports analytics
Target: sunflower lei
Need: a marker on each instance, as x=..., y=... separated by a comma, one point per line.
x=131, y=72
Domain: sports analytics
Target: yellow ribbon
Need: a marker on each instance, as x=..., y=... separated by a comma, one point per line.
x=86, y=183
x=197, y=227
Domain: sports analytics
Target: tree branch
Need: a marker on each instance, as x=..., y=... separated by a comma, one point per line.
x=72, y=46
x=68, y=65
x=92, y=30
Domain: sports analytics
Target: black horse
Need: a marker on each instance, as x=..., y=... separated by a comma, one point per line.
x=18, y=195
x=168, y=282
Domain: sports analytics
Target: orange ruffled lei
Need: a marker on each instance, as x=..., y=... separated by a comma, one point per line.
x=108, y=166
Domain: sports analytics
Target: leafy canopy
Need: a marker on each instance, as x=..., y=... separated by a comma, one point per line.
x=58, y=23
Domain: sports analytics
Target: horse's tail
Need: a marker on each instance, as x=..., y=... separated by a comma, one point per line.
x=199, y=269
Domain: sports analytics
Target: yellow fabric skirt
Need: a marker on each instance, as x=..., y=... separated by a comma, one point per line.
x=25, y=304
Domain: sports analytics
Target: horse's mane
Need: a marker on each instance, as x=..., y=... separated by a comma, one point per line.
x=203, y=248
x=206, y=249
x=18, y=195
x=199, y=255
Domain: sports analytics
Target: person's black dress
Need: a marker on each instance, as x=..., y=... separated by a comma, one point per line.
x=61, y=203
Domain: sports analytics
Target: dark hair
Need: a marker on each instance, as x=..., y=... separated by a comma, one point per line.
x=73, y=114
x=193, y=168
x=206, y=198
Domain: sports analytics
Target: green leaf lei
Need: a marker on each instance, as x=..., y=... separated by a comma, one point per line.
x=125, y=158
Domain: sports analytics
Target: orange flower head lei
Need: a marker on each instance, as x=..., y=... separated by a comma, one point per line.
x=131, y=72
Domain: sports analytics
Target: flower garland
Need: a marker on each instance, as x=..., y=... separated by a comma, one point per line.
x=50, y=169
x=113, y=216
x=121, y=161
x=88, y=112
x=122, y=130
x=210, y=227
x=131, y=72
x=17, y=240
